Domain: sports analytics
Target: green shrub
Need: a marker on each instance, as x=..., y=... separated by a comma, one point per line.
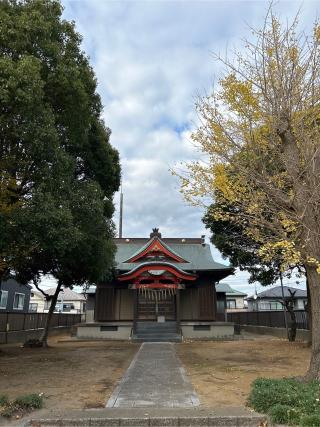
x=310, y=420
x=266, y=393
x=29, y=401
x=21, y=405
x=284, y=414
x=7, y=411
x=3, y=400
x=287, y=400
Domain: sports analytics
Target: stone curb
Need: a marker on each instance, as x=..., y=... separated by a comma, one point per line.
x=231, y=421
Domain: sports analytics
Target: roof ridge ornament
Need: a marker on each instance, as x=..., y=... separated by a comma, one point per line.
x=155, y=233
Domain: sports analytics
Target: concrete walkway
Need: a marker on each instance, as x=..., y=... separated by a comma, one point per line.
x=155, y=378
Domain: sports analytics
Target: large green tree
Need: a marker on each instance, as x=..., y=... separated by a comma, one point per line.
x=58, y=171
x=242, y=251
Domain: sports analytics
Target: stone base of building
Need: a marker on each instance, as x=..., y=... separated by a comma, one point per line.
x=207, y=330
x=124, y=330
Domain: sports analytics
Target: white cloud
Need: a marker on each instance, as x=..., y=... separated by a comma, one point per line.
x=152, y=58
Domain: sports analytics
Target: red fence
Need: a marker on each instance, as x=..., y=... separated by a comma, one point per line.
x=10, y=322
x=268, y=318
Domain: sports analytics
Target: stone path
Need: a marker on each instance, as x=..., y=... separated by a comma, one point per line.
x=155, y=378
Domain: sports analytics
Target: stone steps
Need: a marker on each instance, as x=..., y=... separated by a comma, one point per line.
x=156, y=332
x=157, y=338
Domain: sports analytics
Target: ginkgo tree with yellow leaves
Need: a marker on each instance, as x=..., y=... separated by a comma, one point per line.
x=260, y=134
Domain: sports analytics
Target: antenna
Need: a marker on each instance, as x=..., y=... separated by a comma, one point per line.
x=121, y=211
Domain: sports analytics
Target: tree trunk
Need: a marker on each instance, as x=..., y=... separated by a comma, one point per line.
x=44, y=335
x=293, y=327
x=309, y=311
x=314, y=288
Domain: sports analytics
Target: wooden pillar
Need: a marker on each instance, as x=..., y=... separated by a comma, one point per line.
x=135, y=310
x=214, y=302
x=96, y=298
x=178, y=310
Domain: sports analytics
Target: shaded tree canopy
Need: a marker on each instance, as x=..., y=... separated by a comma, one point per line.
x=241, y=250
x=58, y=170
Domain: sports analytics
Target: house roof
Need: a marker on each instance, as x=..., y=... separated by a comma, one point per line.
x=224, y=287
x=194, y=251
x=68, y=294
x=277, y=293
x=12, y=280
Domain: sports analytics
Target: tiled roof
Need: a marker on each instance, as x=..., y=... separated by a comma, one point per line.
x=277, y=293
x=68, y=294
x=198, y=255
x=228, y=290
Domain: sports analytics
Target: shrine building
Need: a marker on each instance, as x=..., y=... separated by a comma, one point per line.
x=163, y=290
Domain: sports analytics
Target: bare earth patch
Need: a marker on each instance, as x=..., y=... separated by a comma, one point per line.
x=71, y=375
x=222, y=372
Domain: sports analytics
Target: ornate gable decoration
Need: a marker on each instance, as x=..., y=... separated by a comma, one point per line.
x=155, y=250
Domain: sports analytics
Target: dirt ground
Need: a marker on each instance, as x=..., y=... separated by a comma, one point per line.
x=222, y=372
x=71, y=375
x=80, y=375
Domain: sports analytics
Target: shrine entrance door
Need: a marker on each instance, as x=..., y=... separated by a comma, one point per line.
x=152, y=304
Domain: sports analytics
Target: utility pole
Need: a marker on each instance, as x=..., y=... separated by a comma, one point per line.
x=121, y=211
x=283, y=305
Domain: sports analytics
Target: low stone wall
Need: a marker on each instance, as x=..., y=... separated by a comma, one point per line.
x=22, y=336
x=207, y=330
x=302, y=334
x=100, y=330
x=122, y=330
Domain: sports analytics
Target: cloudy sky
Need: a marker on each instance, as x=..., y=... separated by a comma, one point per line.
x=152, y=59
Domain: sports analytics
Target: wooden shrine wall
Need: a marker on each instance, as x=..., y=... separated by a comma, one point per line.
x=198, y=303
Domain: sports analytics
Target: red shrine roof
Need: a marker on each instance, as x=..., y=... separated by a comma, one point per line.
x=155, y=246
x=160, y=268
x=187, y=256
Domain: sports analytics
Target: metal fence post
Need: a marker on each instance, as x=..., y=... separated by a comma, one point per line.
x=7, y=328
x=24, y=321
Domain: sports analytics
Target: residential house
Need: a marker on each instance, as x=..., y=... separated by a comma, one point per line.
x=37, y=302
x=68, y=301
x=234, y=299
x=271, y=299
x=14, y=297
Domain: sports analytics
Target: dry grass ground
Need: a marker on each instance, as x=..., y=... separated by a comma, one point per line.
x=222, y=372
x=83, y=375
x=71, y=375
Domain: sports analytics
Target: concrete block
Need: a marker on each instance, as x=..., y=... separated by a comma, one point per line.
x=94, y=331
x=137, y=422
x=214, y=330
x=53, y=422
x=231, y=421
x=164, y=421
x=104, y=422
x=79, y=422
x=193, y=421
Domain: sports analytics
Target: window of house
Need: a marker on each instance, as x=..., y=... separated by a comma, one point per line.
x=18, y=301
x=231, y=303
x=271, y=305
x=3, y=299
x=33, y=306
x=68, y=307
